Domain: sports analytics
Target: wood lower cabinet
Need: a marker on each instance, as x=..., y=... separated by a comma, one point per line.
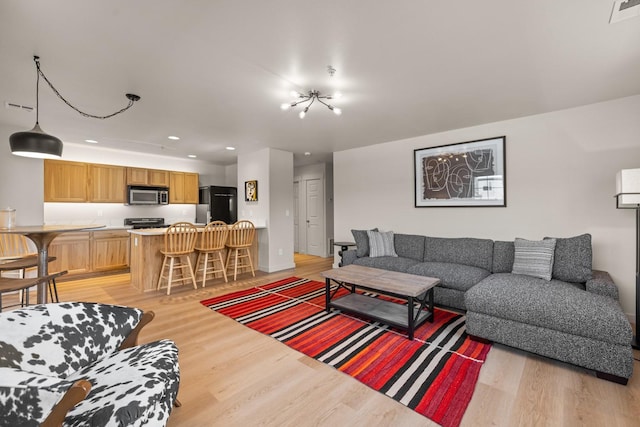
x=84, y=253
x=110, y=250
x=72, y=253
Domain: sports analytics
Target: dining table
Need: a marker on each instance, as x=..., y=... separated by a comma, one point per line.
x=42, y=236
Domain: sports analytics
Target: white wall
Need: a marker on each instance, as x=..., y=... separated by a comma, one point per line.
x=273, y=169
x=561, y=170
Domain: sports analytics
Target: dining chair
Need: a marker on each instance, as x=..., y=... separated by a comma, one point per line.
x=239, y=245
x=210, y=247
x=179, y=244
x=10, y=284
x=14, y=247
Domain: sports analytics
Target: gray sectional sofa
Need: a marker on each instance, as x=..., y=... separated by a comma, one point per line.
x=574, y=317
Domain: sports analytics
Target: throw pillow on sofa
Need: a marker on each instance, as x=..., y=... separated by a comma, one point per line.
x=381, y=244
x=362, y=242
x=534, y=257
x=572, y=260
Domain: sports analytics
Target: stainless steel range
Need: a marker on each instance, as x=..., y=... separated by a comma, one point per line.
x=138, y=223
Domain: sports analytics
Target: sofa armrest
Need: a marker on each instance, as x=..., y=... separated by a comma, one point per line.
x=132, y=338
x=348, y=257
x=602, y=284
x=76, y=393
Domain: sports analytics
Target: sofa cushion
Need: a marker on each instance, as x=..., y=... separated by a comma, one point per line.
x=454, y=276
x=387, y=263
x=381, y=243
x=362, y=242
x=534, y=257
x=573, y=259
x=503, y=253
x=464, y=250
x=58, y=339
x=133, y=387
x=410, y=246
x=555, y=305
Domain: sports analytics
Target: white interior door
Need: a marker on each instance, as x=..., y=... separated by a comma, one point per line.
x=315, y=217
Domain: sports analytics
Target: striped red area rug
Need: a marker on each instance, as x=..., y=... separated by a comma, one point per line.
x=435, y=374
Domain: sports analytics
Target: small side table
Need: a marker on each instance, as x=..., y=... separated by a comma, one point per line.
x=343, y=247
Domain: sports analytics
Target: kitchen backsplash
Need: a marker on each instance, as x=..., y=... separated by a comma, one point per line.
x=113, y=214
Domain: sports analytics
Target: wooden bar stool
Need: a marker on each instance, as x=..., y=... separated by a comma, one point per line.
x=239, y=246
x=212, y=242
x=179, y=243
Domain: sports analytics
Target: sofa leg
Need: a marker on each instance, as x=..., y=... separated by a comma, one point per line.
x=177, y=403
x=613, y=378
x=480, y=340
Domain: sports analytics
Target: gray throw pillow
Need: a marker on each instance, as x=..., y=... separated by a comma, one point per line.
x=381, y=244
x=362, y=242
x=534, y=257
x=573, y=259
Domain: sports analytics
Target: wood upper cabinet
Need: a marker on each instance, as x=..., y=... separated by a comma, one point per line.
x=150, y=177
x=106, y=184
x=65, y=181
x=183, y=187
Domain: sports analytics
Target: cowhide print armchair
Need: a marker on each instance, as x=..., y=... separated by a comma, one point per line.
x=78, y=364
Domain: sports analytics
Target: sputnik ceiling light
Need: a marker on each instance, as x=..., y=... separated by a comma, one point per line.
x=35, y=143
x=312, y=96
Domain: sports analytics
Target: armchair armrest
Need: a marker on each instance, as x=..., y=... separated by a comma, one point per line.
x=76, y=393
x=132, y=338
x=348, y=257
x=602, y=284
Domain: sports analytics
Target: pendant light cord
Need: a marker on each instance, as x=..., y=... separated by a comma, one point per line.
x=131, y=97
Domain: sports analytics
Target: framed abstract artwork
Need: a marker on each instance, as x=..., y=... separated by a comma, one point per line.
x=466, y=174
x=251, y=191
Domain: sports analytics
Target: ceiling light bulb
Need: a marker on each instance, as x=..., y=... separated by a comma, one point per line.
x=302, y=113
x=91, y=141
x=230, y=148
x=174, y=138
x=295, y=94
x=285, y=106
x=337, y=111
x=192, y=156
x=337, y=95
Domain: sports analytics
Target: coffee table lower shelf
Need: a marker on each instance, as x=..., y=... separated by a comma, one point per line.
x=388, y=312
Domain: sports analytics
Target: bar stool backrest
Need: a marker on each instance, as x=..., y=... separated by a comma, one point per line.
x=14, y=245
x=180, y=238
x=214, y=236
x=241, y=234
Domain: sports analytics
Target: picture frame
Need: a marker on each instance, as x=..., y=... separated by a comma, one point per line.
x=465, y=174
x=251, y=191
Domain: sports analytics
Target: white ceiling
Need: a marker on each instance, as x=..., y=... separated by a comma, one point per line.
x=215, y=72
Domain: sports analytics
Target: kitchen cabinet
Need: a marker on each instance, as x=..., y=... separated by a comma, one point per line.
x=65, y=181
x=72, y=253
x=183, y=187
x=150, y=177
x=84, y=253
x=106, y=184
x=109, y=250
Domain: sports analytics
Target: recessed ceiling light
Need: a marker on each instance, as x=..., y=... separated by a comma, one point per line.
x=230, y=148
x=193, y=156
x=175, y=138
x=306, y=153
x=91, y=141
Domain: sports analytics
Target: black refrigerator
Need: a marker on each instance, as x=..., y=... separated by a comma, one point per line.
x=217, y=204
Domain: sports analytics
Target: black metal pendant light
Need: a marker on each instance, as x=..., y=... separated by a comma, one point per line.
x=38, y=144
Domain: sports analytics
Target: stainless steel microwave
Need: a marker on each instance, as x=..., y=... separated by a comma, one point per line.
x=137, y=195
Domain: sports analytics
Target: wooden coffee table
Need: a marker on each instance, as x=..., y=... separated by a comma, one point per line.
x=408, y=287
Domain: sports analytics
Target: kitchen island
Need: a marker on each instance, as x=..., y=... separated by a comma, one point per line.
x=146, y=260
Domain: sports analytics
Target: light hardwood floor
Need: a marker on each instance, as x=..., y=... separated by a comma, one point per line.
x=234, y=376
